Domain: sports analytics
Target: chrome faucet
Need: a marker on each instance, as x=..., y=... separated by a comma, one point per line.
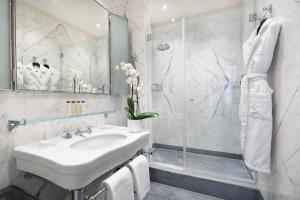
x=67, y=134
x=80, y=132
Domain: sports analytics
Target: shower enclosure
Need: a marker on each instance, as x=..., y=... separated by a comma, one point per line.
x=196, y=74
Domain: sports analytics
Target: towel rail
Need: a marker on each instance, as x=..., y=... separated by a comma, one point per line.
x=80, y=194
x=93, y=197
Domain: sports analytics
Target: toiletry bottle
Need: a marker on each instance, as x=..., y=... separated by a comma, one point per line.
x=68, y=107
x=83, y=106
x=73, y=109
x=78, y=107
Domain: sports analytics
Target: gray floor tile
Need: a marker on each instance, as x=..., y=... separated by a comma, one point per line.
x=204, y=164
x=164, y=192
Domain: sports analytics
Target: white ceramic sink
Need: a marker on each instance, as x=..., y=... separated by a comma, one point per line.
x=99, y=142
x=74, y=163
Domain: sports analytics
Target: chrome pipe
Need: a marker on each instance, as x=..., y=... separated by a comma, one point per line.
x=78, y=194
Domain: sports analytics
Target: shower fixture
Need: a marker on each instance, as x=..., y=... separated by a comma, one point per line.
x=163, y=46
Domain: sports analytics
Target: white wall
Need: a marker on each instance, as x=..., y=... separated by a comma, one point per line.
x=284, y=180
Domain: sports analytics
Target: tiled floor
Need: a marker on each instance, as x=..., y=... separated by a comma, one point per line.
x=203, y=164
x=164, y=192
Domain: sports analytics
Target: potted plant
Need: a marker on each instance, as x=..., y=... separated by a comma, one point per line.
x=134, y=116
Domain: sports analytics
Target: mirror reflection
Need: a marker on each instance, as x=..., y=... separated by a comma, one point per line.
x=62, y=46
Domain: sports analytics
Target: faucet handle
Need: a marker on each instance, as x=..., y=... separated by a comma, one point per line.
x=67, y=134
x=89, y=128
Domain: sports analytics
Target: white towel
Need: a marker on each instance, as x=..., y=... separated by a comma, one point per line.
x=120, y=185
x=139, y=168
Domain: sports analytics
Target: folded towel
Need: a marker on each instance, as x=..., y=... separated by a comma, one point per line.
x=120, y=185
x=139, y=168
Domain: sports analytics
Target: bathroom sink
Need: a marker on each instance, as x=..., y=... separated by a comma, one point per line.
x=99, y=142
x=74, y=163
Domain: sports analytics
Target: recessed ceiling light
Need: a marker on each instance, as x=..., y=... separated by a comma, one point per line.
x=165, y=7
x=98, y=25
x=173, y=20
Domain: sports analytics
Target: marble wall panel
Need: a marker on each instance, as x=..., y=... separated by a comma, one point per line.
x=284, y=180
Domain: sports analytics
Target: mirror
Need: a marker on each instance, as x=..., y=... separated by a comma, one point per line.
x=119, y=51
x=4, y=48
x=62, y=45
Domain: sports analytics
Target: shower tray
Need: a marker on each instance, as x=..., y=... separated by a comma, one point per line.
x=201, y=165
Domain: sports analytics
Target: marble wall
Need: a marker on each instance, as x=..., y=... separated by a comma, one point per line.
x=64, y=47
x=16, y=105
x=115, y=6
x=30, y=105
x=35, y=104
x=139, y=21
x=207, y=87
x=138, y=14
x=283, y=183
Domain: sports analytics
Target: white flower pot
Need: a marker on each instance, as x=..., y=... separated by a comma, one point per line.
x=134, y=125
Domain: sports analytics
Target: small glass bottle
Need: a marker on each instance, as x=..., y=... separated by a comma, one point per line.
x=73, y=108
x=78, y=108
x=83, y=106
x=68, y=107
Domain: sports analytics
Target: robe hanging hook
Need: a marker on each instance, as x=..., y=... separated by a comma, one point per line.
x=267, y=11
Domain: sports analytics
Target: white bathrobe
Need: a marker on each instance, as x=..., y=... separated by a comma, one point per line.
x=256, y=97
x=54, y=79
x=36, y=78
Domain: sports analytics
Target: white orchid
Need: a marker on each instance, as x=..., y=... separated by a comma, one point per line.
x=87, y=87
x=75, y=74
x=75, y=79
x=126, y=66
x=117, y=67
x=136, y=86
x=140, y=88
x=81, y=83
x=132, y=81
x=133, y=72
x=94, y=90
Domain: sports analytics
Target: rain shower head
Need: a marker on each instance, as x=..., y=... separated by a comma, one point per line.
x=163, y=46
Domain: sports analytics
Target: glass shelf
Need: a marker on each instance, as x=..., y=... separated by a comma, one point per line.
x=12, y=124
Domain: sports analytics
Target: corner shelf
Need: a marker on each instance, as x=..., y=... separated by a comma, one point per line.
x=12, y=124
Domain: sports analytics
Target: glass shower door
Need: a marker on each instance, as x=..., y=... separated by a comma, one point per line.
x=213, y=68
x=168, y=94
x=196, y=74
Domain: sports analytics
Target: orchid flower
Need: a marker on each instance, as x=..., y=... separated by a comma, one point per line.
x=140, y=88
x=131, y=81
x=136, y=86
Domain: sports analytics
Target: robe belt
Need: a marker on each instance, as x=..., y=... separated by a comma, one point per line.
x=245, y=102
x=256, y=75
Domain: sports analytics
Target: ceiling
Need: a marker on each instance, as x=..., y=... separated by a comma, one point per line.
x=85, y=15
x=185, y=8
